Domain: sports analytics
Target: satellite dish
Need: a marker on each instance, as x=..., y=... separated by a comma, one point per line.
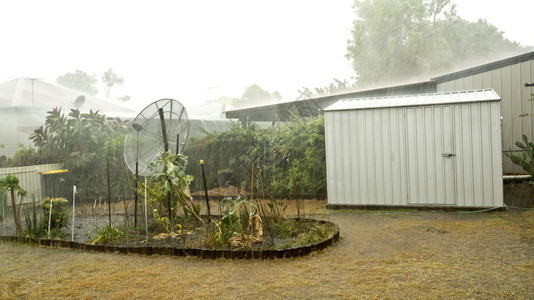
x=145, y=138
x=79, y=101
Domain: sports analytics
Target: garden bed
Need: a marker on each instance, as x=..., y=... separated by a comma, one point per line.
x=192, y=244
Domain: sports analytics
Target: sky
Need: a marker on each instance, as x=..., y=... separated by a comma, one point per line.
x=194, y=51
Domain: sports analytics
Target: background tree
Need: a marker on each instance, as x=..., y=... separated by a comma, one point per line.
x=110, y=79
x=337, y=86
x=255, y=95
x=80, y=81
x=83, y=142
x=393, y=38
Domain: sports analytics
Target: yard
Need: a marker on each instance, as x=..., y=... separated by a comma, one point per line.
x=381, y=254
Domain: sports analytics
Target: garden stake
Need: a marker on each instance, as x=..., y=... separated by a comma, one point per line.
x=218, y=187
x=136, y=179
x=109, y=192
x=137, y=127
x=146, y=215
x=261, y=181
x=205, y=188
x=177, y=144
x=166, y=147
x=73, y=211
x=252, y=182
x=294, y=194
x=50, y=217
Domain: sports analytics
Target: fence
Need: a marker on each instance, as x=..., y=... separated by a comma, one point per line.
x=30, y=179
x=95, y=210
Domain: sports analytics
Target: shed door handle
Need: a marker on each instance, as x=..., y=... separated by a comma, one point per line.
x=448, y=154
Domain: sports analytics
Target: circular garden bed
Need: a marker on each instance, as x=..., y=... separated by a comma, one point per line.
x=317, y=235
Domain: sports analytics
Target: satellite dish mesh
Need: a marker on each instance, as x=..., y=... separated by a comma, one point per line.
x=144, y=139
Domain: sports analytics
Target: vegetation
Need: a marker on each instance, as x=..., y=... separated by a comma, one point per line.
x=392, y=38
x=290, y=158
x=108, y=234
x=85, y=143
x=111, y=79
x=171, y=184
x=11, y=184
x=524, y=159
x=59, y=215
x=254, y=95
x=34, y=228
x=80, y=81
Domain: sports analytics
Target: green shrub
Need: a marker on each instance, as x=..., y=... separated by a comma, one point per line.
x=108, y=234
x=291, y=155
x=59, y=212
x=34, y=228
x=524, y=159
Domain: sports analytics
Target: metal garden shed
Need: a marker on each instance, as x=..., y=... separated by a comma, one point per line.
x=439, y=149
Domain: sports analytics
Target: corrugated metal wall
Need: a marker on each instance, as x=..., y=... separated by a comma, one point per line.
x=29, y=179
x=366, y=157
x=399, y=155
x=478, y=154
x=508, y=82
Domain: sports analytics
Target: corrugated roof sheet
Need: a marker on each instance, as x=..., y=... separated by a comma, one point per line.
x=416, y=100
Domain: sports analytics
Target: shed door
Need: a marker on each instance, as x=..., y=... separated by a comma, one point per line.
x=431, y=157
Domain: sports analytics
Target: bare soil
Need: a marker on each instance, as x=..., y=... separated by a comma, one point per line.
x=381, y=254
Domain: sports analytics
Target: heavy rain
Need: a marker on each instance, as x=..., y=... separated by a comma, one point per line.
x=275, y=149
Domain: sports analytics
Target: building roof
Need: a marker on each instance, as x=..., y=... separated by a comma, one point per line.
x=39, y=94
x=314, y=106
x=485, y=68
x=415, y=100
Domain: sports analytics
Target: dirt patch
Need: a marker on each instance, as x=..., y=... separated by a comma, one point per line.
x=381, y=254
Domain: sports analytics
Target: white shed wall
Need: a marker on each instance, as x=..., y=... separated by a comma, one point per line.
x=394, y=156
x=364, y=157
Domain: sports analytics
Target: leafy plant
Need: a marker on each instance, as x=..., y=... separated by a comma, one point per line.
x=59, y=212
x=172, y=179
x=524, y=159
x=314, y=235
x=276, y=209
x=237, y=213
x=11, y=184
x=56, y=234
x=34, y=229
x=108, y=234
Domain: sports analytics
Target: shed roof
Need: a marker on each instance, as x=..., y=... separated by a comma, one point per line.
x=415, y=100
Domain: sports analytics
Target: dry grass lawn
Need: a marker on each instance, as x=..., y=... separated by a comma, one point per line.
x=381, y=254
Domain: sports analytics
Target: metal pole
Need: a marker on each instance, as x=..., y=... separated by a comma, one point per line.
x=136, y=179
x=137, y=127
x=73, y=211
x=109, y=192
x=205, y=188
x=177, y=143
x=50, y=217
x=166, y=147
x=146, y=214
